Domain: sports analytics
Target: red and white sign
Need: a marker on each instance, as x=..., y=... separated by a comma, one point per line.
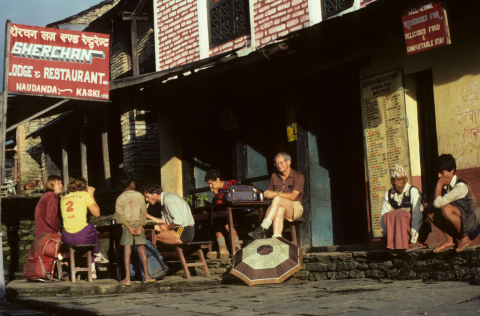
x=425, y=27
x=57, y=62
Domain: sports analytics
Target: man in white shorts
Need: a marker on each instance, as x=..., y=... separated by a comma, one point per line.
x=286, y=192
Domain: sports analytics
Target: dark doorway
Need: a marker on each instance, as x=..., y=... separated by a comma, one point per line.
x=336, y=149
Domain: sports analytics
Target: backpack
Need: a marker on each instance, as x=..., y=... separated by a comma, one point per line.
x=42, y=257
x=156, y=267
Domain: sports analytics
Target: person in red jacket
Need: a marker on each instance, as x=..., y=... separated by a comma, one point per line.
x=218, y=187
x=46, y=211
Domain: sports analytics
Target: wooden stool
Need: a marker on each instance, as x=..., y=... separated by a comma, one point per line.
x=84, y=250
x=291, y=227
x=193, y=248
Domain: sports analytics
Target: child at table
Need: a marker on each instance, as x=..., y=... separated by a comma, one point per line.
x=131, y=212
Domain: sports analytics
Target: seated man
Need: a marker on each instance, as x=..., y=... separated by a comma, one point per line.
x=176, y=227
x=218, y=188
x=455, y=210
x=286, y=192
x=402, y=212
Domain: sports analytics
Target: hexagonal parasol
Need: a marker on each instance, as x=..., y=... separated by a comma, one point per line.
x=267, y=261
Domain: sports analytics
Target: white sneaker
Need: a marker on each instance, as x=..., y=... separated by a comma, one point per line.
x=99, y=258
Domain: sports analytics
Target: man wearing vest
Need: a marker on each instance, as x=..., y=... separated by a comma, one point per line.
x=402, y=212
x=454, y=205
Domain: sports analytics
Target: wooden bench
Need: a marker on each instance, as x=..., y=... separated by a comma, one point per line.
x=83, y=251
x=194, y=248
x=291, y=228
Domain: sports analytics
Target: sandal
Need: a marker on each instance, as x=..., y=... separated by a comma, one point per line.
x=125, y=283
x=440, y=249
x=464, y=246
x=416, y=246
x=151, y=281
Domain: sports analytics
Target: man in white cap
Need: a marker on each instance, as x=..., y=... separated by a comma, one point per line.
x=402, y=212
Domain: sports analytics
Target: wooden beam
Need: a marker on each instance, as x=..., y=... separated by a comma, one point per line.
x=83, y=148
x=159, y=128
x=137, y=18
x=3, y=122
x=301, y=144
x=65, y=174
x=37, y=115
x=239, y=152
x=139, y=7
x=3, y=125
x=106, y=159
x=133, y=36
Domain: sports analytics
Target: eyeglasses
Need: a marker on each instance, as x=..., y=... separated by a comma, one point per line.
x=279, y=163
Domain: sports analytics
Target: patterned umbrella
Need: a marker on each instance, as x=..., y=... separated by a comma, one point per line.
x=267, y=261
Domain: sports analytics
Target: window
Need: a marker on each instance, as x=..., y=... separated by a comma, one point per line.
x=334, y=7
x=229, y=19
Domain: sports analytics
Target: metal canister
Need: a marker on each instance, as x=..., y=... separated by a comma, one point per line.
x=260, y=196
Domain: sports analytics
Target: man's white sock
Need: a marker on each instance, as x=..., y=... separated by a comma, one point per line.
x=276, y=235
x=266, y=223
x=221, y=241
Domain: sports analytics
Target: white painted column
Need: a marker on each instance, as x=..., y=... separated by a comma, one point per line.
x=314, y=11
x=204, y=43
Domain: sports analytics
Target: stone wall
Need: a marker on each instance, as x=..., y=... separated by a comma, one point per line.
x=32, y=164
x=141, y=154
x=120, y=60
x=18, y=228
x=378, y=264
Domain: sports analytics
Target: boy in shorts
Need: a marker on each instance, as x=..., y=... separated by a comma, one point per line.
x=131, y=211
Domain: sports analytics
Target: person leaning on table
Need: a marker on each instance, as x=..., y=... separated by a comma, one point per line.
x=177, y=225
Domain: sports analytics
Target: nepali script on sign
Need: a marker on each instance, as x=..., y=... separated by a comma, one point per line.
x=57, y=62
x=386, y=136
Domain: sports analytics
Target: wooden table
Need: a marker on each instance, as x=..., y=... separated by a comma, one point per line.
x=221, y=210
x=225, y=209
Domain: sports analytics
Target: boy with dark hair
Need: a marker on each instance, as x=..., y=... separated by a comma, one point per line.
x=454, y=205
x=131, y=211
x=218, y=187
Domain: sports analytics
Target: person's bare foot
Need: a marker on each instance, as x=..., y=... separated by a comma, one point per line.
x=125, y=282
x=444, y=247
x=150, y=280
x=465, y=242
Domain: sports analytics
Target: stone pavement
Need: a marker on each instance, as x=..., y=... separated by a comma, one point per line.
x=329, y=297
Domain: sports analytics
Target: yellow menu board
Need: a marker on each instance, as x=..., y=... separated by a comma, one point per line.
x=383, y=103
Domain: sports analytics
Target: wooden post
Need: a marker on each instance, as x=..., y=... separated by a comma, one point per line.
x=106, y=158
x=239, y=158
x=133, y=33
x=305, y=240
x=65, y=174
x=3, y=127
x=83, y=148
x=159, y=128
x=133, y=17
